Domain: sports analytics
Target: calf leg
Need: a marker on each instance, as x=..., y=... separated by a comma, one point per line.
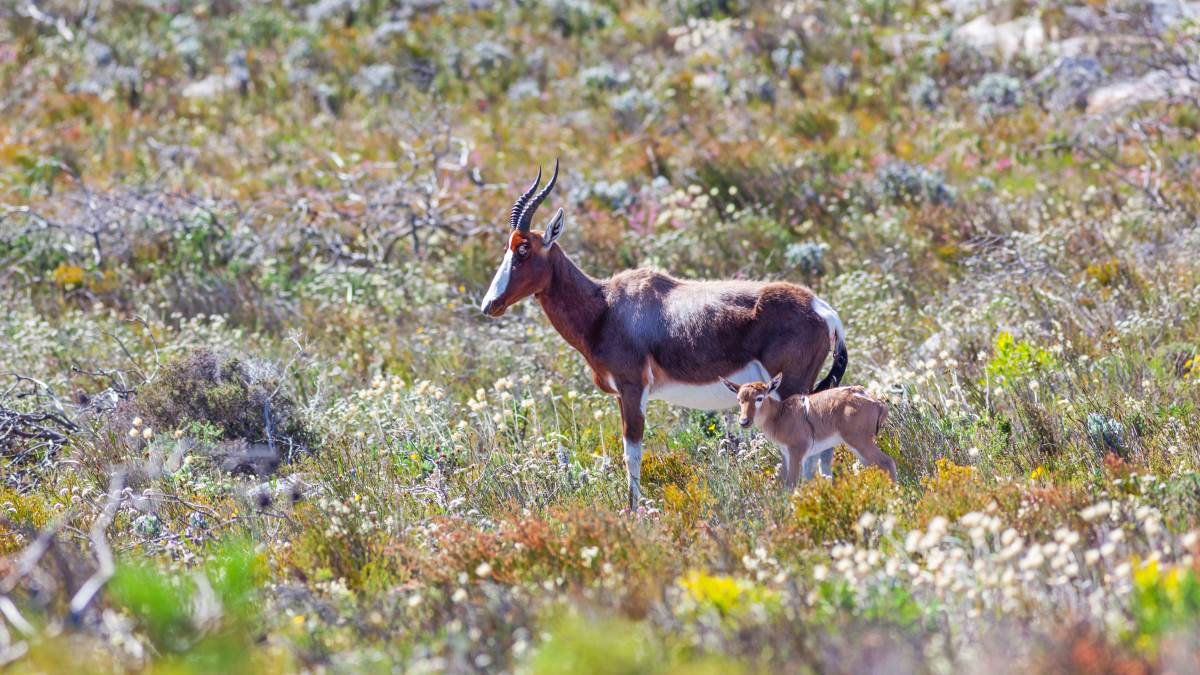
x=870, y=455
x=795, y=455
x=819, y=463
x=633, y=426
x=800, y=365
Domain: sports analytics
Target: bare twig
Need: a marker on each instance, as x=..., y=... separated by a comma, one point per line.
x=83, y=597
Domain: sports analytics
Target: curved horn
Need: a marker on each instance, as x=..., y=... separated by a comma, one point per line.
x=518, y=208
x=527, y=213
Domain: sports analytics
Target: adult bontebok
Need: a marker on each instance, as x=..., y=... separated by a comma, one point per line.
x=805, y=425
x=646, y=335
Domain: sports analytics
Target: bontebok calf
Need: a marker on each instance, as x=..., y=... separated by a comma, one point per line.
x=806, y=425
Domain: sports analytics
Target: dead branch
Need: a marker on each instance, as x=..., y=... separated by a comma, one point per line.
x=104, y=556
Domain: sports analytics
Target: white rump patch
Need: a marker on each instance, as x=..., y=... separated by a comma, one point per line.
x=836, y=332
x=500, y=281
x=711, y=396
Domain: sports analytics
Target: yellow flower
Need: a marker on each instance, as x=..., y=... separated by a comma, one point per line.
x=1039, y=473
x=68, y=276
x=298, y=619
x=726, y=595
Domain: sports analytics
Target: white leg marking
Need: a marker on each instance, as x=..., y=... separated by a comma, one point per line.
x=500, y=281
x=633, y=470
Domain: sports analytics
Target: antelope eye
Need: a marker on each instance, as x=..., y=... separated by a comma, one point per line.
x=758, y=399
x=523, y=250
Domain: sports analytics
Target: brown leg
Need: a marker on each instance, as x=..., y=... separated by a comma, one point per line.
x=801, y=367
x=795, y=455
x=870, y=455
x=633, y=426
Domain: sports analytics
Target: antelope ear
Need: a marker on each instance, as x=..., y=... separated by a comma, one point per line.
x=729, y=385
x=553, y=229
x=775, y=382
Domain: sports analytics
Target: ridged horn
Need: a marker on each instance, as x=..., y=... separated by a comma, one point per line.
x=527, y=212
x=518, y=208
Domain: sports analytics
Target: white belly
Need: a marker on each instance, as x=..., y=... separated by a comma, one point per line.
x=711, y=396
x=823, y=444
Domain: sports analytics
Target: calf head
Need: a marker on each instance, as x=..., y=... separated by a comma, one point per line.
x=751, y=396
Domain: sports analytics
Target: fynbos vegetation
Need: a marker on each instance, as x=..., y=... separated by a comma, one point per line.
x=252, y=419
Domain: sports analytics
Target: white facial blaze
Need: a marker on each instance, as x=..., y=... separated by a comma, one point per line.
x=499, y=282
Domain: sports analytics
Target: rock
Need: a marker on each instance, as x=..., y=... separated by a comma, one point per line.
x=1067, y=83
x=1024, y=36
x=1156, y=85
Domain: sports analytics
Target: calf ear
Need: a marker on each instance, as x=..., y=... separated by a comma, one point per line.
x=729, y=385
x=775, y=382
x=553, y=229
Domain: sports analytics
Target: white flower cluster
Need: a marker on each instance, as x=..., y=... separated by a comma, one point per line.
x=977, y=566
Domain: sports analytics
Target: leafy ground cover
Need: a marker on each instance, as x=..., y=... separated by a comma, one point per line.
x=252, y=419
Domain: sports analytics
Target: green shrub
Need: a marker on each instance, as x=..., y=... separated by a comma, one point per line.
x=1164, y=600
x=234, y=395
x=1015, y=360
x=826, y=511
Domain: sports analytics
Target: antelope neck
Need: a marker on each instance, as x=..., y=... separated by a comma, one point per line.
x=771, y=409
x=573, y=301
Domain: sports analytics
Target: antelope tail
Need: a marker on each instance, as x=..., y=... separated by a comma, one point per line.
x=840, y=359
